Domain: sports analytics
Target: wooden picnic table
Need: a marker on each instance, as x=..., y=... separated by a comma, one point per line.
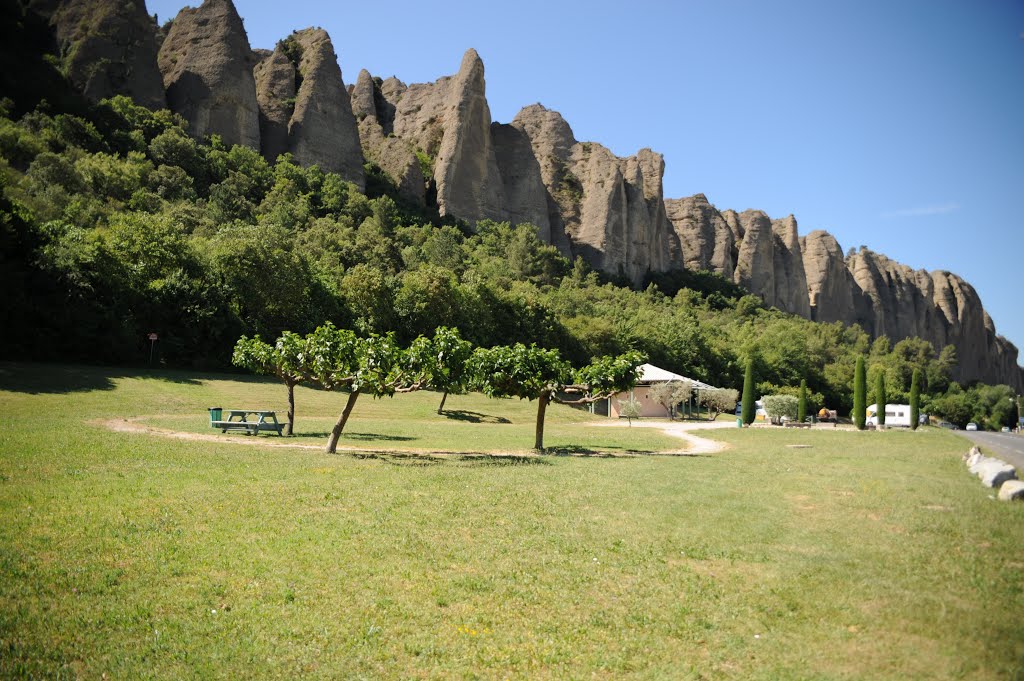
x=239, y=419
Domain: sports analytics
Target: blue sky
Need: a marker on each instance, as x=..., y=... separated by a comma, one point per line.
x=897, y=125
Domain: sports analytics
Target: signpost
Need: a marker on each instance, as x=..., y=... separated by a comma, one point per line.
x=152, y=342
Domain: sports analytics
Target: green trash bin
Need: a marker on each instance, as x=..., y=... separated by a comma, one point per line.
x=215, y=414
x=739, y=422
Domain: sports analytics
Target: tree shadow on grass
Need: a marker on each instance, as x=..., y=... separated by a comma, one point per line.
x=579, y=450
x=363, y=437
x=50, y=379
x=473, y=416
x=462, y=460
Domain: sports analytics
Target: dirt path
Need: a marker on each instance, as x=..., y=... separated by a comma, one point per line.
x=682, y=430
x=132, y=425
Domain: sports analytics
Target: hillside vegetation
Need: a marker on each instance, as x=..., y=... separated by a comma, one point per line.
x=117, y=224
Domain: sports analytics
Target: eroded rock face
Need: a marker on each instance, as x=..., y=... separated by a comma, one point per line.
x=790, y=281
x=468, y=181
x=207, y=69
x=322, y=130
x=755, y=263
x=108, y=48
x=275, y=95
x=829, y=283
x=525, y=196
x=396, y=158
x=608, y=210
x=706, y=239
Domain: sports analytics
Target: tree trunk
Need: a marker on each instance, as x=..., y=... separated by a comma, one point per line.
x=291, y=409
x=332, y=442
x=542, y=405
x=443, y=398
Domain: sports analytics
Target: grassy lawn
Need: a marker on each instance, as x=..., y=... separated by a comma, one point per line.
x=858, y=556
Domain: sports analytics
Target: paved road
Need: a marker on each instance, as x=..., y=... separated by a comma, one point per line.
x=1006, y=446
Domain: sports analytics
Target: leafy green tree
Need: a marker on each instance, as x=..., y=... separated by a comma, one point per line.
x=337, y=359
x=860, y=391
x=801, y=413
x=880, y=398
x=748, y=410
x=283, y=359
x=439, y=363
x=537, y=374
x=915, y=399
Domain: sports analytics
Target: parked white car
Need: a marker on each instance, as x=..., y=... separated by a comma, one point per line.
x=972, y=426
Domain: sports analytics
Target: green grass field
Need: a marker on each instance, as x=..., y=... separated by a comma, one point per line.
x=859, y=556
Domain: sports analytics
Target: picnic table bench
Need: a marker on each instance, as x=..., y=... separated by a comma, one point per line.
x=238, y=419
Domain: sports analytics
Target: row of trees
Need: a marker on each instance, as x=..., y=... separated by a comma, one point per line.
x=340, y=360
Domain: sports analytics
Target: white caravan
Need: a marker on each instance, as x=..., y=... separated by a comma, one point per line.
x=895, y=415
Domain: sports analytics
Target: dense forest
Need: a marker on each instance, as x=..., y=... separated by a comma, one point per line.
x=116, y=224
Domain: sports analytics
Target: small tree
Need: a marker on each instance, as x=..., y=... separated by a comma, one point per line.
x=880, y=398
x=801, y=413
x=537, y=374
x=439, y=363
x=337, y=359
x=717, y=400
x=915, y=399
x=860, y=390
x=630, y=409
x=748, y=411
x=670, y=393
x=777, y=406
x=280, y=359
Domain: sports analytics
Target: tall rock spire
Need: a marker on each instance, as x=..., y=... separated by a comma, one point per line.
x=207, y=68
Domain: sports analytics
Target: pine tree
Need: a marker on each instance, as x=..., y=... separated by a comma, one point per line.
x=860, y=389
x=748, y=394
x=801, y=413
x=915, y=399
x=880, y=398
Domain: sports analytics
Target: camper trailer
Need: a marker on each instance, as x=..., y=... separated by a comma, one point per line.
x=895, y=415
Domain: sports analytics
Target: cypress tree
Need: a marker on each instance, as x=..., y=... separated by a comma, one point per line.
x=860, y=390
x=801, y=410
x=880, y=398
x=748, y=394
x=915, y=399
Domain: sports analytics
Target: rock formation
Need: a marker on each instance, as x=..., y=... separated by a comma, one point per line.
x=468, y=182
x=108, y=48
x=755, y=262
x=207, y=69
x=705, y=237
x=830, y=285
x=437, y=143
x=790, y=281
x=275, y=96
x=322, y=130
x=305, y=108
x=608, y=210
x=395, y=156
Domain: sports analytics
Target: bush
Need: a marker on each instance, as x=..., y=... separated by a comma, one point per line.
x=778, y=406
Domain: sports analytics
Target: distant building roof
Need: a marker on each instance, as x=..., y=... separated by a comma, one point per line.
x=652, y=374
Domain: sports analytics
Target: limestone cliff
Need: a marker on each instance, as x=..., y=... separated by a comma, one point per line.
x=108, y=47
x=207, y=68
x=608, y=210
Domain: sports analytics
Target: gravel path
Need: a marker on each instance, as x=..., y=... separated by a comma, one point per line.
x=684, y=430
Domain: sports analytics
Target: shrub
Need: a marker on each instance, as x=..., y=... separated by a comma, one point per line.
x=778, y=406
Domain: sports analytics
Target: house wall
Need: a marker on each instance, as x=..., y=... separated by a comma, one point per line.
x=641, y=394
